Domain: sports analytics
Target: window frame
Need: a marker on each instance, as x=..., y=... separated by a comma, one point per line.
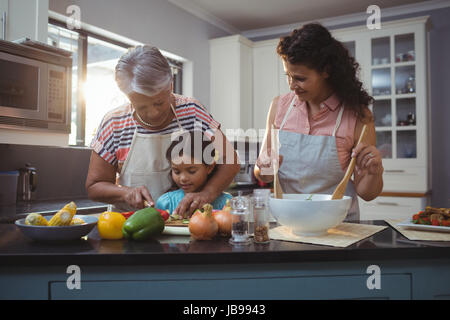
x=83, y=35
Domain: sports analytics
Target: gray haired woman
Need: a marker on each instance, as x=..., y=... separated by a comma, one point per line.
x=128, y=166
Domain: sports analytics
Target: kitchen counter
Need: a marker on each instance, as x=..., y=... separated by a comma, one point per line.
x=16, y=249
x=178, y=259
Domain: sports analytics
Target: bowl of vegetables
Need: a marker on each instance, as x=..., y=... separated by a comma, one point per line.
x=64, y=225
x=309, y=215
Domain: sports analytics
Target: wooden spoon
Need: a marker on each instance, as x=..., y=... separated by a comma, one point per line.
x=340, y=189
x=277, y=190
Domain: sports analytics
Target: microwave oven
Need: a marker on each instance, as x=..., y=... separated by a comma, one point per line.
x=35, y=88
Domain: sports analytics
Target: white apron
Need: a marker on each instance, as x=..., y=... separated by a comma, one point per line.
x=311, y=164
x=146, y=164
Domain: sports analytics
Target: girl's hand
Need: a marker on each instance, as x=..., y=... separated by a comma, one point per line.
x=192, y=202
x=368, y=160
x=135, y=197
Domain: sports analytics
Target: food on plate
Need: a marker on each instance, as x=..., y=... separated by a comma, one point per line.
x=143, y=224
x=110, y=225
x=223, y=219
x=64, y=216
x=433, y=216
x=76, y=221
x=177, y=220
x=35, y=219
x=202, y=224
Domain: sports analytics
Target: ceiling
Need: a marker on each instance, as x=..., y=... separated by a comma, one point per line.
x=243, y=15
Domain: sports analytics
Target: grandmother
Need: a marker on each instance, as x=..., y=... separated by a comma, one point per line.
x=128, y=166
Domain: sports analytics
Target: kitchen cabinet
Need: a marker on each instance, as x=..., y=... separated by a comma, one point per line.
x=393, y=63
x=269, y=79
x=24, y=18
x=175, y=267
x=231, y=83
x=238, y=285
x=391, y=207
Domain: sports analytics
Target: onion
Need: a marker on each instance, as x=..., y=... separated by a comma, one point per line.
x=202, y=225
x=223, y=219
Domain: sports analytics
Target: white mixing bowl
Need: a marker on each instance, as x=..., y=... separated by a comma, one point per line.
x=309, y=217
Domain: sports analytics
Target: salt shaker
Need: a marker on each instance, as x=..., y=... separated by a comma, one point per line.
x=261, y=215
x=239, y=219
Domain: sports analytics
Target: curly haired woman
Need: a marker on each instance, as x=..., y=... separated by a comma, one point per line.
x=320, y=121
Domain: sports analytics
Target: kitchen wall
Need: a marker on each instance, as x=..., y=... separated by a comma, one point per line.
x=61, y=171
x=156, y=22
x=439, y=71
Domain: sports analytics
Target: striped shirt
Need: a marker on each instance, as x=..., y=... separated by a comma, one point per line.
x=113, y=139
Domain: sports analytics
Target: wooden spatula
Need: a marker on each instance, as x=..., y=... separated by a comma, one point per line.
x=277, y=190
x=340, y=189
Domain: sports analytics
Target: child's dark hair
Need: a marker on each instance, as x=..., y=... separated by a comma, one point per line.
x=313, y=46
x=186, y=144
x=193, y=144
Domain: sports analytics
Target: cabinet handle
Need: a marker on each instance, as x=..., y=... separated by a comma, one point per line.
x=387, y=203
x=4, y=25
x=394, y=171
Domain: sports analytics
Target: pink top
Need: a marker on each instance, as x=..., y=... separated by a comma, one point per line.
x=322, y=124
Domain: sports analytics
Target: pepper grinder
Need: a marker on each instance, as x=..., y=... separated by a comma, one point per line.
x=239, y=220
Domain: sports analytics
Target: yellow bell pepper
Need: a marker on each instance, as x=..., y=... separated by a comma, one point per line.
x=110, y=224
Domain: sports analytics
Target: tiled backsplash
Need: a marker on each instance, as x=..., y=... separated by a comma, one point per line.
x=61, y=171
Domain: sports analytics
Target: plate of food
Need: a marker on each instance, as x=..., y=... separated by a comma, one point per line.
x=430, y=219
x=64, y=225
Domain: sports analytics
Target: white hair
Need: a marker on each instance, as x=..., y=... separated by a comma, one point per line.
x=143, y=69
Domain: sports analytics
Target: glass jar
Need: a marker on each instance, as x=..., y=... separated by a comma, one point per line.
x=261, y=215
x=239, y=220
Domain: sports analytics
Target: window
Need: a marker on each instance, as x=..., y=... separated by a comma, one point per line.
x=94, y=90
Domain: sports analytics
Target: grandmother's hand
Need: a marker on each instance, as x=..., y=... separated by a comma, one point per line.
x=191, y=202
x=135, y=197
x=368, y=160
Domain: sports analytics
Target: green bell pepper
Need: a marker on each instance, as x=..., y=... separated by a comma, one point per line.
x=143, y=224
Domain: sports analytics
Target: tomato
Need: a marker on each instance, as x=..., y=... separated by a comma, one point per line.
x=127, y=214
x=164, y=214
x=435, y=222
x=445, y=223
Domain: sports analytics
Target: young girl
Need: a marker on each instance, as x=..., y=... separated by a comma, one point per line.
x=190, y=169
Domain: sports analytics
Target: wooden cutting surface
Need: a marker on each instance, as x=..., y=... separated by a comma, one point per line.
x=176, y=223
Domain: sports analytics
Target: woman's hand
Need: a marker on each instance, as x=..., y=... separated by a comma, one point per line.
x=265, y=164
x=368, y=160
x=136, y=196
x=191, y=202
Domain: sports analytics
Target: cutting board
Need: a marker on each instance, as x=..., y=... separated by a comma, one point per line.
x=176, y=228
x=176, y=223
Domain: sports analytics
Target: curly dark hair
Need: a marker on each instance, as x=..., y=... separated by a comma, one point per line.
x=313, y=46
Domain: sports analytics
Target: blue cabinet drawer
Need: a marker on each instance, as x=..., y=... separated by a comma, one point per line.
x=393, y=286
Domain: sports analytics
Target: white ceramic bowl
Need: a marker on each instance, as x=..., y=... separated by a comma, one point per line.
x=309, y=217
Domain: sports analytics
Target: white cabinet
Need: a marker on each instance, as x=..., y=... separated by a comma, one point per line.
x=393, y=63
x=231, y=82
x=265, y=81
x=24, y=18
x=391, y=207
